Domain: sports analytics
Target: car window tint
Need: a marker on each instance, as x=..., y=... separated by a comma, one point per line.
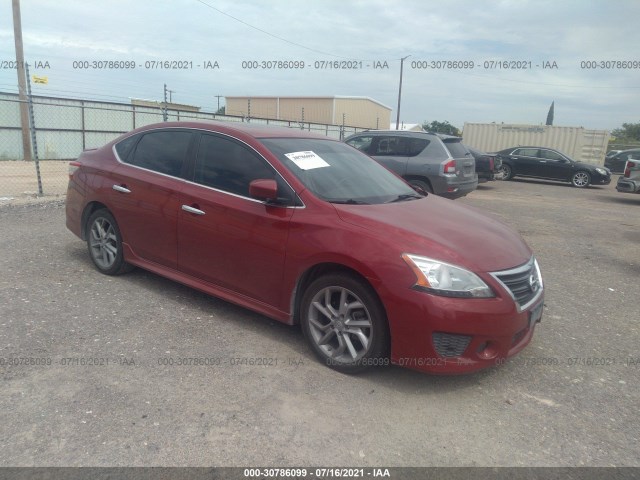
x=229, y=166
x=551, y=155
x=456, y=148
x=124, y=147
x=361, y=143
x=527, y=152
x=435, y=150
x=162, y=152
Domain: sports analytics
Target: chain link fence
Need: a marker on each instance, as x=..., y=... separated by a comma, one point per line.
x=64, y=127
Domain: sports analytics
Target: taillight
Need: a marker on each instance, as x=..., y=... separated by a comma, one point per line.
x=450, y=166
x=491, y=164
x=73, y=166
x=628, y=167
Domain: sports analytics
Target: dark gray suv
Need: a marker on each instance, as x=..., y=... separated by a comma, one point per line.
x=437, y=163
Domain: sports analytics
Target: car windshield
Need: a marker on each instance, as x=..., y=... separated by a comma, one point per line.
x=338, y=173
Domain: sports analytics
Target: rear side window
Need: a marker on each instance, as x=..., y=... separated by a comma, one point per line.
x=125, y=146
x=527, y=152
x=162, y=152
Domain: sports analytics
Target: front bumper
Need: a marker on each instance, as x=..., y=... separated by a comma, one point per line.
x=600, y=180
x=444, y=335
x=626, y=185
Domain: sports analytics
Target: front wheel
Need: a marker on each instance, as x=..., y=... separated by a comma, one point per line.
x=581, y=179
x=344, y=323
x=104, y=242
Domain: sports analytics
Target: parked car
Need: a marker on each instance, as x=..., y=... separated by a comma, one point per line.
x=306, y=229
x=487, y=164
x=630, y=181
x=432, y=162
x=550, y=164
x=616, y=163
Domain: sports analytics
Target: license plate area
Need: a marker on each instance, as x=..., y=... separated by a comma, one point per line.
x=535, y=315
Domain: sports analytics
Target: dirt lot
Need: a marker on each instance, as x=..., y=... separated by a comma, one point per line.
x=93, y=389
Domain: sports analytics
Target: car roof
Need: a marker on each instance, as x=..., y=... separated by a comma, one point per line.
x=629, y=150
x=238, y=129
x=405, y=133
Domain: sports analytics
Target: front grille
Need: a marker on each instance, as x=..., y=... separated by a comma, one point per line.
x=449, y=344
x=524, y=282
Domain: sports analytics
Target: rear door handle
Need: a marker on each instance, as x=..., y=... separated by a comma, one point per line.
x=195, y=211
x=120, y=188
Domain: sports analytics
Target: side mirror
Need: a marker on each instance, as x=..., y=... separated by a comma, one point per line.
x=263, y=189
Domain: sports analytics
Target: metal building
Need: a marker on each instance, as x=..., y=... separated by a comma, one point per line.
x=362, y=112
x=579, y=143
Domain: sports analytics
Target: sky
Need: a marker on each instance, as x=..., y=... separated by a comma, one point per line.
x=588, y=47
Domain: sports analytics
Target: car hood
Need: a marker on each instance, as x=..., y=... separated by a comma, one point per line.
x=578, y=163
x=444, y=230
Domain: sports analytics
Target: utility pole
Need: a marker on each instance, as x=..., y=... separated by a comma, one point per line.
x=170, y=92
x=164, y=105
x=22, y=81
x=400, y=91
x=218, y=97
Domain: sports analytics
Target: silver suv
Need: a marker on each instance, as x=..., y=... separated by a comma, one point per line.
x=436, y=163
x=630, y=181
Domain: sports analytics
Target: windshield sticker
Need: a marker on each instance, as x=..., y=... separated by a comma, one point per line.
x=306, y=160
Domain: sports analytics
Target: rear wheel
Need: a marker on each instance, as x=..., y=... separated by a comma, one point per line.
x=581, y=179
x=104, y=242
x=344, y=323
x=505, y=172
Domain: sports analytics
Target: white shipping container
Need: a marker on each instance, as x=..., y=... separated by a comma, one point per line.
x=579, y=143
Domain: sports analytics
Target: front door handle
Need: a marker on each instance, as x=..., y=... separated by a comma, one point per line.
x=121, y=189
x=195, y=211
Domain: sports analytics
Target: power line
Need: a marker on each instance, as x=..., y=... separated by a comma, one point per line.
x=271, y=34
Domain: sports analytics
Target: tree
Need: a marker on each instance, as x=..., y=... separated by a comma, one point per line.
x=221, y=110
x=629, y=131
x=550, y=115
x=441, y=127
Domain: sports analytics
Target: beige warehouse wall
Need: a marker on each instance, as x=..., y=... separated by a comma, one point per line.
x=316, y=110
x=358, y=112
x=260, y=107
x=361, y=112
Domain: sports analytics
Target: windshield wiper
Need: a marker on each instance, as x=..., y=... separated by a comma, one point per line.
x=349, y=201
x=405, y=196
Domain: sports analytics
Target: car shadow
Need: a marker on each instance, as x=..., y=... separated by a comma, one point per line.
x=289, y=337
x=536, y=181
x=623, y=199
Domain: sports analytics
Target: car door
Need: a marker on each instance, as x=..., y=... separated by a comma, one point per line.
x=526, y=161
x=225, y=237
x=554, y=165
x=391, y=151
x=144, y=193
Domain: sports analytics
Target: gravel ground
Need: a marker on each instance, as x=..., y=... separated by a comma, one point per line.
x=570, y=399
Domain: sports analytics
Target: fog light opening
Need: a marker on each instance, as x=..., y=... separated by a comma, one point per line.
x=487, y=351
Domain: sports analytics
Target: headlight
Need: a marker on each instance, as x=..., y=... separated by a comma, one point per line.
x=443, y=279
x=601, y=171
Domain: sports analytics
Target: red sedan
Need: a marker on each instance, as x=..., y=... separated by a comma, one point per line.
x=306, y=229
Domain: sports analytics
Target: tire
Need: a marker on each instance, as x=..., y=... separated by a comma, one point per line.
x=104, y=243
x=581, y=179
x=351, y=338
x=505, y=172
x=421, y=185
